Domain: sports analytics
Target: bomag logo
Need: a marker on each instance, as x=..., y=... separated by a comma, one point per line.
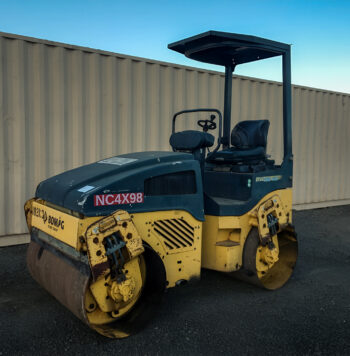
x=52, y=221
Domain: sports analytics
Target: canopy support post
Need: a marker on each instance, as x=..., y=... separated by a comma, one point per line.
x=227, y=106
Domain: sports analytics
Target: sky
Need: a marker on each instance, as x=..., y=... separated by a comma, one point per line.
x=319, y=30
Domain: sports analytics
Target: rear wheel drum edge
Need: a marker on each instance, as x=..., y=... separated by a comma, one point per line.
x=280, y=272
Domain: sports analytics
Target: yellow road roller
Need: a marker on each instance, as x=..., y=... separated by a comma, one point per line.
x=108, y=238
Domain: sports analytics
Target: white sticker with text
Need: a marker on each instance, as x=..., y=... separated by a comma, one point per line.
x=119, y=161
x=86, y=188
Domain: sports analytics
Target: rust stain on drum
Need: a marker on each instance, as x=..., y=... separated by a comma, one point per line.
x=100, y=269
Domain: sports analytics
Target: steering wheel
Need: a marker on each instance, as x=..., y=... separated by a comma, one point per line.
x=207, y=124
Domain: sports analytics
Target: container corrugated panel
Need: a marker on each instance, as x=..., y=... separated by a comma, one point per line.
x=62, y=106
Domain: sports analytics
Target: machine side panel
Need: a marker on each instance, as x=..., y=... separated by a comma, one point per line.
x=176, y=236
x=224, y=236
x=234, y=194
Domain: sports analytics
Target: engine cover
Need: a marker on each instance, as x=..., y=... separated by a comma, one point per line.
x=118, y=182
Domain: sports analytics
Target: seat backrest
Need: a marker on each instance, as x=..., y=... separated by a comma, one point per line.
x=250, y=134
x=191, y=140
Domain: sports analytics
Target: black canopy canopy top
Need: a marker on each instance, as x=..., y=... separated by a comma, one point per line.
x=228, y=49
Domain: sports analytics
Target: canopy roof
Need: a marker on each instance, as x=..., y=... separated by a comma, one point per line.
x=228, y=49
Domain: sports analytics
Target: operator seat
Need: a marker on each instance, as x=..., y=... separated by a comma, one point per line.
x=192, y=141
x=249, y=140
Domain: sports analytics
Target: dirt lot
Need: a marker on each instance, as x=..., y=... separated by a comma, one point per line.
x=310, y=315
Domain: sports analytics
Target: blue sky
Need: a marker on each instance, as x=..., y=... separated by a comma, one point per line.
x=319, y=30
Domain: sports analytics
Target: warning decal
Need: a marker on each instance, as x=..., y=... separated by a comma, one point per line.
x=120, y=198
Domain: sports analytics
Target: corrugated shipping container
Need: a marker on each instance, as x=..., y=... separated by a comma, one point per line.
x=62, y=106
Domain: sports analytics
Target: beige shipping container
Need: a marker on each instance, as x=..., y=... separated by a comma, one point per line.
x=62, y=106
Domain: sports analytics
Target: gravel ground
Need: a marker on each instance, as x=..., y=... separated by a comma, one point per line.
x=310, y=315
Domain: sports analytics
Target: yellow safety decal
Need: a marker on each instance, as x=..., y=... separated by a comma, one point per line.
x=62, y=226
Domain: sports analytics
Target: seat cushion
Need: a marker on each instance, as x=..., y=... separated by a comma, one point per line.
x=191, y=140
x=250, y=134
x=233, y=155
